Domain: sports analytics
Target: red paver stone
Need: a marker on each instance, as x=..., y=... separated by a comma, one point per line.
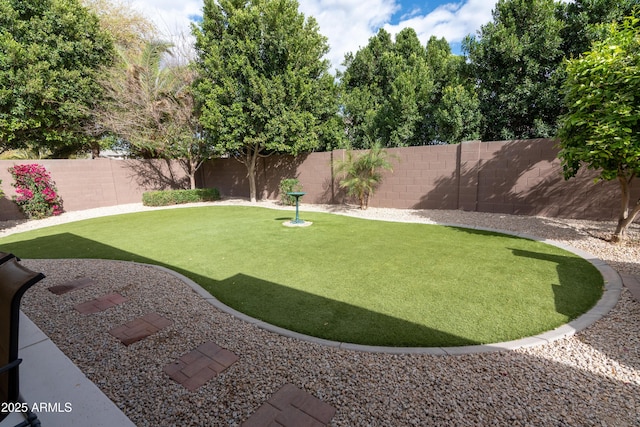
x=195, y=368
x=72, y=285
x=140, y=328
x=292, y=407
x=100, y=304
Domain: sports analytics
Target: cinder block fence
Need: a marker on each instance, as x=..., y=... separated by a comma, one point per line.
x=515, y=177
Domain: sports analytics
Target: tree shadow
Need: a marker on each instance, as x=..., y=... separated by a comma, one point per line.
x=564, y=291
x=273, y=169
x=158, y=174
x=332, y=193
x=229, y=175
x=334, y=319
x=523, y=178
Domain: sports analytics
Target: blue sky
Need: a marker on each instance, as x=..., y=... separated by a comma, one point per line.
x=348, y=24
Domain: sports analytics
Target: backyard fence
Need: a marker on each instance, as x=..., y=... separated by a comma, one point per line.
x=514, y=177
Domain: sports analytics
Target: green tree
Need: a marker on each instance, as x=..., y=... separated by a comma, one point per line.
x=516, y=61
x=455, y=106
x=263, y=85
x=583, y=19
x=457, y=116
x=387, y=89
x=362, y=173
x=151, y=107
x=50, y=51
x=601, y=129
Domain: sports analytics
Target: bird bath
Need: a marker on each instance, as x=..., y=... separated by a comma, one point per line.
x=297, y=222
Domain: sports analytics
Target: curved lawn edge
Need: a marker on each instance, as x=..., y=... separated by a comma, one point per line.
x=610, y=297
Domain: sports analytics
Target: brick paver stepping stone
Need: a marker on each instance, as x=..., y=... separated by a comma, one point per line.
x=72, y=285
x=292, y=407
x=140, y=328
x=195, y=368
x=100, y=304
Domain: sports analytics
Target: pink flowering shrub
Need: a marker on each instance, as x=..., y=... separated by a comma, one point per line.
x=37, y=194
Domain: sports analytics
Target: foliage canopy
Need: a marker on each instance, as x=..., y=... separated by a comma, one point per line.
x=602, y=126
x=263, y=85
x=515, y=59
x=50, y=51
x=399, y=93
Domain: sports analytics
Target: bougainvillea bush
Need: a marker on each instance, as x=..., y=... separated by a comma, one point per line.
x=37, y=194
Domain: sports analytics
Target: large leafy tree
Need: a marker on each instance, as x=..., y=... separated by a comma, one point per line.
x=455, y=106
x=50, y=52
x=602, y=127
x=583, y=19
x=264, y=86
x=399, y=93
x=387, y=88
x=515, y=60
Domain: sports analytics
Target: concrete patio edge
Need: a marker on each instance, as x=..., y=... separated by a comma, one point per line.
x=62, y=394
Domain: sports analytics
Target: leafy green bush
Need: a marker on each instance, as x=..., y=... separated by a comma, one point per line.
x=288, y=185
x=177, y=197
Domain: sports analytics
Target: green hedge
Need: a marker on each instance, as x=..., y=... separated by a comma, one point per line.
x=176, y=197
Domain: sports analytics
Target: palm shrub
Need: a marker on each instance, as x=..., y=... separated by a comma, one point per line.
x=363, y=173
x=37, y=195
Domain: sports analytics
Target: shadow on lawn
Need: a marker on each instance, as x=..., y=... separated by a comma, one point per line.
x=284, y=306
x=568, y=267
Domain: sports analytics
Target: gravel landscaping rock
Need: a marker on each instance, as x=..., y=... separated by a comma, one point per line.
x=589, y=379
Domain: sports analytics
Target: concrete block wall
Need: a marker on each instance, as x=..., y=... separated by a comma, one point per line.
x=525, y=178
x=513, y=177
x=422, y=178
x=86, y=184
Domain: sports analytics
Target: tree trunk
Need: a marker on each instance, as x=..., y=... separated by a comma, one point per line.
x=193, y=168
x=624, y=223
x=251, y=160
x=95, y=150
x=626, y=218
x=252, y=183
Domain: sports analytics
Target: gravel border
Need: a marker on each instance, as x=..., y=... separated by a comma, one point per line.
x=589, y=379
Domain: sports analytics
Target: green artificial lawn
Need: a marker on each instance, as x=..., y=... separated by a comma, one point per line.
x=343, y=278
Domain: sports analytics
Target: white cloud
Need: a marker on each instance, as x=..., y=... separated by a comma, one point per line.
x=348, y=24
x=452, y=21
x=171, y=18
